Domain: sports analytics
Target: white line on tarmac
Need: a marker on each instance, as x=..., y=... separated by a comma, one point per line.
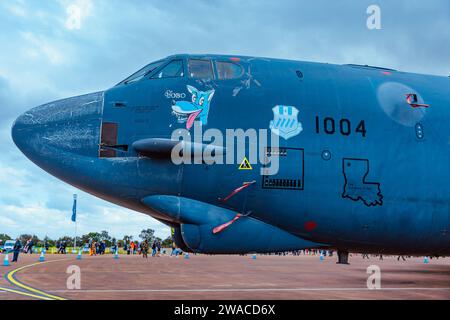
x=248, y=290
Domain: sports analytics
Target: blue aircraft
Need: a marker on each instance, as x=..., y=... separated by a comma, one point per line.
x=362, y=152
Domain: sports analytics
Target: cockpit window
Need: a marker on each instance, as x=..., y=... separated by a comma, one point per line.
x=201, y=69
x=173, y=69
x=143, y=72
x=228, y=70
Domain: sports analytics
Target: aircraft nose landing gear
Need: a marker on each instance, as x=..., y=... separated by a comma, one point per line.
x=342, y=257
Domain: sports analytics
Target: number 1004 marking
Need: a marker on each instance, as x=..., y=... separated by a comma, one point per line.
x=343, y=126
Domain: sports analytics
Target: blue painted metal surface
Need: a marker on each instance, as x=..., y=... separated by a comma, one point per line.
x=371, y=168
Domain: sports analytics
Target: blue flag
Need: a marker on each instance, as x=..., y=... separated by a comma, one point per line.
x=74, y=208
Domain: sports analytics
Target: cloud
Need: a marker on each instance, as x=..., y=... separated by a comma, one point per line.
x=38, y=46
x=16, y=8
x=4, y=94
x=76, y=11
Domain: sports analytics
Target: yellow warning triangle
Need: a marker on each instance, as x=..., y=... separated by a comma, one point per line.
x=245, y=165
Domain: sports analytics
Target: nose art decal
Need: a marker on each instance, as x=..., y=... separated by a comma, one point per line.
x=196, y=109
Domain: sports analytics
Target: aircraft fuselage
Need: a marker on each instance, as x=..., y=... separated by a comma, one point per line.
x=363, y=153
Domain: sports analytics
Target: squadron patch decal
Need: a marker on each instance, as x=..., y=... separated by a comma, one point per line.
x=356, y=187
x=285, y=123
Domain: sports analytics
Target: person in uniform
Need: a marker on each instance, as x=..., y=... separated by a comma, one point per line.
x=16, y=249
x=144, y=248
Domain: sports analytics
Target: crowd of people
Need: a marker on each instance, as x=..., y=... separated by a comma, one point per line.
x=96, y=248
x=131, y=247
x=27, y=248
x=61, y=247
x=17, y=248
x=143, y=248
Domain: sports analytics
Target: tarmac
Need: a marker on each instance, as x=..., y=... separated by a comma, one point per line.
x=203, y=277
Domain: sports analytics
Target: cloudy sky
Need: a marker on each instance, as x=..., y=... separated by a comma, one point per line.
x=58, y=48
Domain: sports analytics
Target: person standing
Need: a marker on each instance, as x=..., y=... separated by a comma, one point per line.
x=153, y=248
x=114, y=247
x=25, y=247
x=60, y=247
x=16, y=249
x=136, y=247
x=93, y=251
x=144, y=249
x=174, y=248
x=131, y=247
x=30, y=246
x=158, y=246
x=90, y=247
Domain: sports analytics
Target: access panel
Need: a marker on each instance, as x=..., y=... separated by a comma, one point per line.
x=290, y=174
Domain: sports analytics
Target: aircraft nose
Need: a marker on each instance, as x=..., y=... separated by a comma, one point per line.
x=24, y=129
x=70, y=126
x=14, y=132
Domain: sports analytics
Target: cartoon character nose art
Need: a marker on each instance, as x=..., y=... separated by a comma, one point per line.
x=198, y=108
